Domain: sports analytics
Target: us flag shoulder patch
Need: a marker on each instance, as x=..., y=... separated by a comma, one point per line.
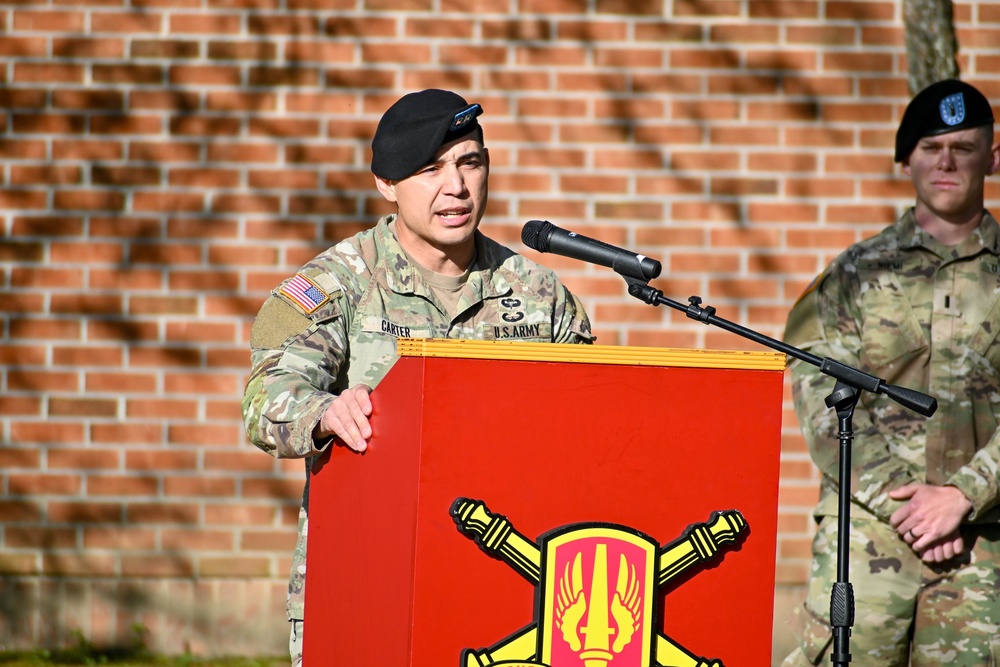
x=304, y=292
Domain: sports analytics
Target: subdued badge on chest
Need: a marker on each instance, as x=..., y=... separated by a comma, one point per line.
x=510, y=323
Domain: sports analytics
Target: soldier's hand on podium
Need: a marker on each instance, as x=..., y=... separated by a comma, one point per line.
x=347, y=419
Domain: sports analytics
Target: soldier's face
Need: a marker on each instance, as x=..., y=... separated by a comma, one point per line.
x=948, y=171
x=440, y=206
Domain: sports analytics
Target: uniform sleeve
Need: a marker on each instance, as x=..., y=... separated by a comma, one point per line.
x=826, y=322
x=295, y=361
x=978, y=480
x=571, y=324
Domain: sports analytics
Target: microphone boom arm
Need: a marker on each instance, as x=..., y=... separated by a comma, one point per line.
x=914, y=400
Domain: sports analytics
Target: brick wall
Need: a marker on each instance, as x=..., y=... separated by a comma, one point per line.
x=167, y=162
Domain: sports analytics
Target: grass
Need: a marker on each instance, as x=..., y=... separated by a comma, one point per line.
x=136, y=655
x=127, y=658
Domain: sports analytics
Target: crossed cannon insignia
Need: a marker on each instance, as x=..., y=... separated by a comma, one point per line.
x=596, y=587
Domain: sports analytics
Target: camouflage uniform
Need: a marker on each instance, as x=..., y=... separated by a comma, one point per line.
x=303, y=357
x=918, y=314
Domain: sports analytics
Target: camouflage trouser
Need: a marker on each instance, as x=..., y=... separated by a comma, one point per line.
x=295, y=643
x=906, y=613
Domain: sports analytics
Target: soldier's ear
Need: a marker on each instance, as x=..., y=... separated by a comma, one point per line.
x=994, y=165
x=386, y=188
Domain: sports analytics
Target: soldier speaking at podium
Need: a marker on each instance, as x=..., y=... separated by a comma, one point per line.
x=918, y=305
x=326, y=336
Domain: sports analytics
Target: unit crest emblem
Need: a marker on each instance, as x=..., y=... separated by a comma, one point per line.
x=597, y=587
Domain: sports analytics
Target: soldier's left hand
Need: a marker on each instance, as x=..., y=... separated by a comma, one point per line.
x=929, y=515
x=944, y=549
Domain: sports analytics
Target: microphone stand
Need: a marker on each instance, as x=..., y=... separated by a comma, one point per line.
x=850, y=381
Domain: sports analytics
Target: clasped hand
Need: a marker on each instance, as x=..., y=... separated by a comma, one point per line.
x=929, y=519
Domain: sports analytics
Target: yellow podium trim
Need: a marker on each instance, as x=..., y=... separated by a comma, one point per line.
x=589, y=354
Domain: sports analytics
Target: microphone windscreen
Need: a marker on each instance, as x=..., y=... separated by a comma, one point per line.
x=533, y=237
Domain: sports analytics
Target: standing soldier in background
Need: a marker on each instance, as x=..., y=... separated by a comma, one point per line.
x=919, y=306
x=326, y=337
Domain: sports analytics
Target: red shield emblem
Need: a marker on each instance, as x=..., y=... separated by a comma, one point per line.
x=597, y=604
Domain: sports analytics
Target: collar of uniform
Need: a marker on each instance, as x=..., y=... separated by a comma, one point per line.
x=990, y=231
x=909, y=233
x=400, y=274
x=985, y=237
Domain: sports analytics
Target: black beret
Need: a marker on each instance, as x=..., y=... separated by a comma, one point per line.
x=940, y=108
x=413, y=128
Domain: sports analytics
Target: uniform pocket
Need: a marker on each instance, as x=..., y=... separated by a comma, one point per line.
x=814, y=634
x=891, y=335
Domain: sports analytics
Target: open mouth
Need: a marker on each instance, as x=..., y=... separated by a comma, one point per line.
x=454, y=214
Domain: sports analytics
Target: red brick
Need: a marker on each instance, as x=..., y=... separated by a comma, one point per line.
x=164, y=203
x=125, y=382
x=48, y=484
x=204, y=23
x=83, y=303
x=13, y=511
x=18, y=457
x=267, y=540
x=198, y=540
x=125, y=279
x=82, y=459
x=204, y=126
x=235, y=566
x=21, y=406
x=114, y=330
x=90, y=355
x=23, y=47
x=132, y=23
x=128, y=433
x=120, y=538
x=233, y=515
x=204, y=75
x=19, y=564
x=82, y=407
x=72, y=564
x=86, y=149
x=48, y=123
x=166, y=513
x=163, y=151
x=164, y=567
x=204, y=434
x=16, y=537
x=46, y=277
x=172, y=49
x=199, y=487
x=103, y=200
x=128, y=74
x=159, y=461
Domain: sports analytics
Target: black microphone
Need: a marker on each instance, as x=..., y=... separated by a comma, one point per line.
x=543, y=236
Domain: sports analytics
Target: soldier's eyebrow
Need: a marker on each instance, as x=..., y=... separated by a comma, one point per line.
x=939, y=142
x=465, y=157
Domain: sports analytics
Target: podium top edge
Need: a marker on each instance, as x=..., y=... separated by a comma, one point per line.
x=589, y=354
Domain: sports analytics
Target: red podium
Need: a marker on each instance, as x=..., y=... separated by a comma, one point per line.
x=562, y=505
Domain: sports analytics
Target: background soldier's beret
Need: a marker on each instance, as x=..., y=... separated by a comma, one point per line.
x=942, y=107
x=413, y=128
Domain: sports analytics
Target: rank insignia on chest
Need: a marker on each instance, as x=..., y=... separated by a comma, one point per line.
x=991, y=265
x=304, y=292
